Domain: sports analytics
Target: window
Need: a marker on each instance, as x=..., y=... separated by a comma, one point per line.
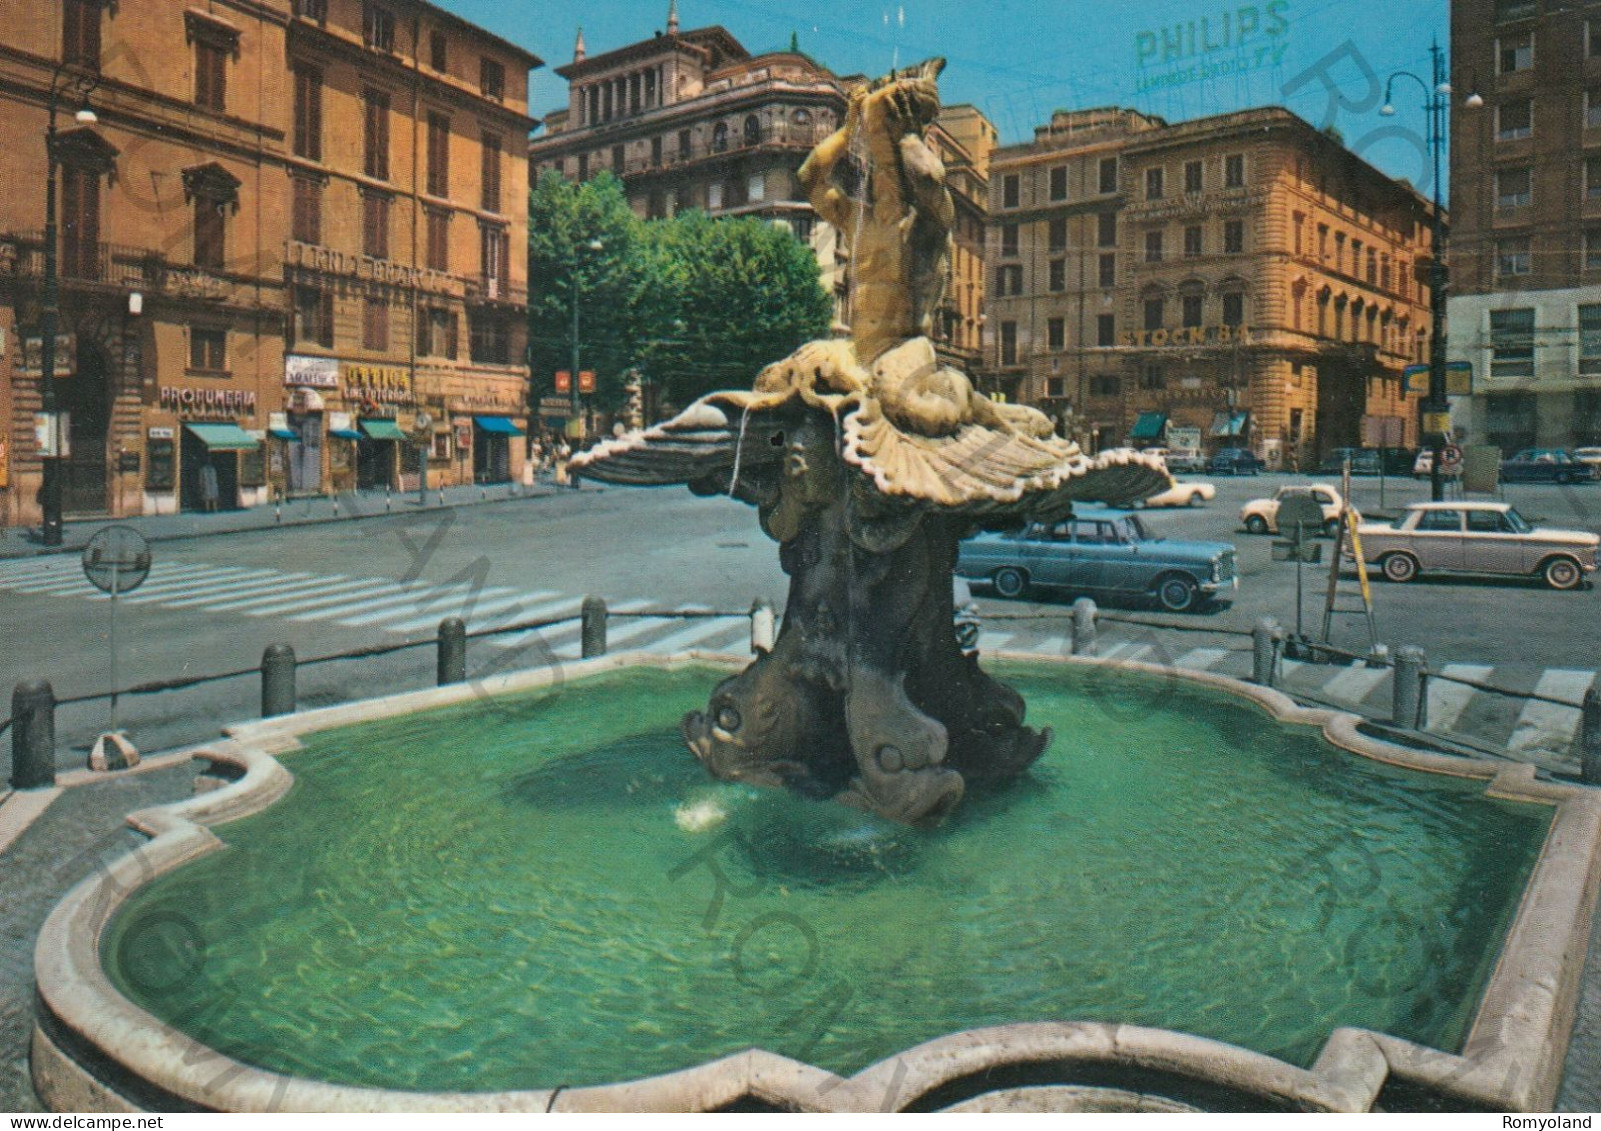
x=619, y=158
x=1155, y=314
x=1234, y=171
x=1153, y=183
x=1592, y=109
x=374, y=324
x=306, y=216
x=438, y=239
x=438, y=155
x=720, y=137
x=490, y=174
x=1107, y=271
x=753, y=130
x=655, y=151
x=1104, y=385
x=1056, y=387
x=1512, y=343
x=1057, y=237
x=375, y=133
x=314, y=316
x=312, y=9
x=1506, y=10
x=1448, y=521
x=1592, y=250
x=1153, y=246
x=1513, y=187
x=491, y=338
x=1011, y=190
x=1008, y=343
x=583, y=166
x=756, y=187
x=378, y=28
x=1233, y=237
x=1191, y=309
x=438, y=51
x=80, y=223
x=1058, y=275
x=1056, y=333
x=1193, y=237
x=1592, y=178
x=210, y=227
x=1193, y=171
x=683, y=145
x=80, y=33
x=1590, y=340
x=375, y=224
x=440, y=325
x=1106, y=229
x=495, y=257
x=1008, y=280
x=1106, y=329
x=1233, y=308
x=491, y=79
x=308, y=112
x=1515, y=52
x=211, y=73
x=1059, y=182
x=1008, y=239
x=208, y=350
x=1512, y=256
x=1514, y=120
x=1108, y=182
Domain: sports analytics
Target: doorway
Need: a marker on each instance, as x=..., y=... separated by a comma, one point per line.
x=86, y=397
x=208, y=480
x=305, y=453
x=375, y=463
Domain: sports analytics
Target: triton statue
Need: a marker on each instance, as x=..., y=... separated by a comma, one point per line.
x=868, y=460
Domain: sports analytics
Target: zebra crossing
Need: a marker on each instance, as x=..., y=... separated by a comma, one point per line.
x=1526, y=728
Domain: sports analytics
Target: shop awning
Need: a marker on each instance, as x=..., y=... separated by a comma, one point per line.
x=1149, y=426
x=345, y=433
x=1229, y=424
x=382, y=429
x=499, y=425
x=224, y=437
x=283, y=434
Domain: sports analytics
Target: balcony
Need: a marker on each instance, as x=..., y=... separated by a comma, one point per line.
x=492, y=288
x=112, y=267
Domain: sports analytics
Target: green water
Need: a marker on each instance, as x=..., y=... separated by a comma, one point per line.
x=549, y=891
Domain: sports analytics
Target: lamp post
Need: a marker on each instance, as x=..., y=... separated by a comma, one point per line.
x=577, y=401
x=80, y=83
x=1437, y=104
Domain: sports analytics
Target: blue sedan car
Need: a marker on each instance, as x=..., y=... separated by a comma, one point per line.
x=1103, y=555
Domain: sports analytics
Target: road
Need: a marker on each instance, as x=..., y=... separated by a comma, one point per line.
x=213, y=604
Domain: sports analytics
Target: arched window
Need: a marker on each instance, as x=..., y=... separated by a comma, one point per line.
x=720, y=137
x=803, y=117
x=753, y=130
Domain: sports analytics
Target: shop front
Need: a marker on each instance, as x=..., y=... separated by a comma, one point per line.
x=308, y=381
x=216, y=462
x=378, y=453
x=492, y=437
x=202, y=452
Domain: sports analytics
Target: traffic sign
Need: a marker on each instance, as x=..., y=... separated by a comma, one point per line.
x=564, y=381
x=1458, y=379
x=117, y=560
x=1299, y=516
x=1451, y=458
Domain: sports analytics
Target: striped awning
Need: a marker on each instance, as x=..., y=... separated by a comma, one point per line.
x=223, y=437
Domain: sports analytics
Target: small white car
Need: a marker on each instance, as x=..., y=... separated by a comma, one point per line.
x=1588, y=455
x=1186, y=493
x=1477, y=537
x=1260, y=516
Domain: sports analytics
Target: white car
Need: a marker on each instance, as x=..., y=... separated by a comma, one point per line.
x=1588, y=455
x=1260, y=516
x=1187, y=493
x=1477, y=537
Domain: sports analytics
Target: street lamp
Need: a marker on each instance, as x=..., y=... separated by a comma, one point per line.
x=80, y=83
x=1437, y=104
x=577, y=402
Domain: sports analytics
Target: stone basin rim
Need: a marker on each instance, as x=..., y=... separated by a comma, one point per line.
x=1512, y=1057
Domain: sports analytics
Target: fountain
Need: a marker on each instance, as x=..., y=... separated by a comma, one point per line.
x=518, y=894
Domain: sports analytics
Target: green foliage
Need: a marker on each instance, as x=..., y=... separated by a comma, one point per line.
x=695, y=304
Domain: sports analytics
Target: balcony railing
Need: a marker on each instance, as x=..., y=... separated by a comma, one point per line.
x=109, y=265
x=492, y=288
x=737, y=144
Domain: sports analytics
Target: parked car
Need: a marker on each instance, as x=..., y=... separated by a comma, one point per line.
x=1100, y=554
x=1261, y=516
x=1185, y=493
x=1547, y=465
x=1477, y=537
x=1364, y=461
x=1423, y=467
x=1590, y=456
x=1235, y=461
x=1185, y=459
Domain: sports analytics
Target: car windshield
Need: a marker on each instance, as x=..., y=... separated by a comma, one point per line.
x=1517, y=522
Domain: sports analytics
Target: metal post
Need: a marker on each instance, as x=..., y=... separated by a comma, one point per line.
x=577, y=403
x=49, y=317
x=1084, y=614
x=1590, y=738
x=594, y=627
x=277, y=681
x=112, y=638
x=1437, y=280
x=1407, y=707
x=452, y=650
x=762, y=626
x=1265, y=638
x=33, y=735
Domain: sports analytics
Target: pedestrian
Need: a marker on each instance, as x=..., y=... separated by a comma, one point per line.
x=209, y=491
x=561, y=455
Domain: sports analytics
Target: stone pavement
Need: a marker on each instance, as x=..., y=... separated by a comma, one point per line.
x=20, y=542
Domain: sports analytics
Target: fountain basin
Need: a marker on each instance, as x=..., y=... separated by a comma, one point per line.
x=1329, y=930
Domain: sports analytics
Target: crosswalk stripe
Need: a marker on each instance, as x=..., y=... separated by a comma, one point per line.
x=196, y=583
x=700, y=632
x=1355, y=683
x=1202, y=659
x=78, y=585
x=231, y=591
x=1052, y=646
x=434, y=606
x=994, y=641
x=479, y=615
x=289, y=595
x=338, y=594
x=1448, y=700
x=1546, y=726
x=408, y=602
x=1132, y=653
x=1115, y=650
x=558, y=632
x=47, y=567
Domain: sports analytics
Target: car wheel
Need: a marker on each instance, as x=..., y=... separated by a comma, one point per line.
x=1256, y=524
x=1400, y=568
x=1176, y=593
x=1332, y=528
x=1195, y=500
x=1562, y=573
x=1010, y=582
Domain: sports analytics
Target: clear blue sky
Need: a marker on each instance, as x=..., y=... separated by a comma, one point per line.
x=1017, y=60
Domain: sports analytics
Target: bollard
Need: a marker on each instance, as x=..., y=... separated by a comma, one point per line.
x=1266, y=636
x=1407, y=706
x=277, y=681
x=594, y=627
x=1084, y=627
x=1590, y=738
x=33, y=735
x=761, y=627
x=452, y=651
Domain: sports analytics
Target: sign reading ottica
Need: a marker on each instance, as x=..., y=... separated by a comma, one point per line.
x=1187, y=336
x=380, y=384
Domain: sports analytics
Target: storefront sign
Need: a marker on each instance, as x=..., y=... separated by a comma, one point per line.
x=564, y=381
x=277, y=422
x=305, y=400
x=586, y=380
x=505, y=406
x=52, y=434
x=378, y=384
x=33, y=355
x=1187, y=336
x=312, y=372
x=223, y=403
x=162, y=433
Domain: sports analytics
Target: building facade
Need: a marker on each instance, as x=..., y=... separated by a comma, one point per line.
x=964, y=139
x=1525, y=250
x=226, y=303
x=1237, y=280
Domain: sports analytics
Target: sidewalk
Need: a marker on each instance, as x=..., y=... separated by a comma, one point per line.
x=22, y=542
